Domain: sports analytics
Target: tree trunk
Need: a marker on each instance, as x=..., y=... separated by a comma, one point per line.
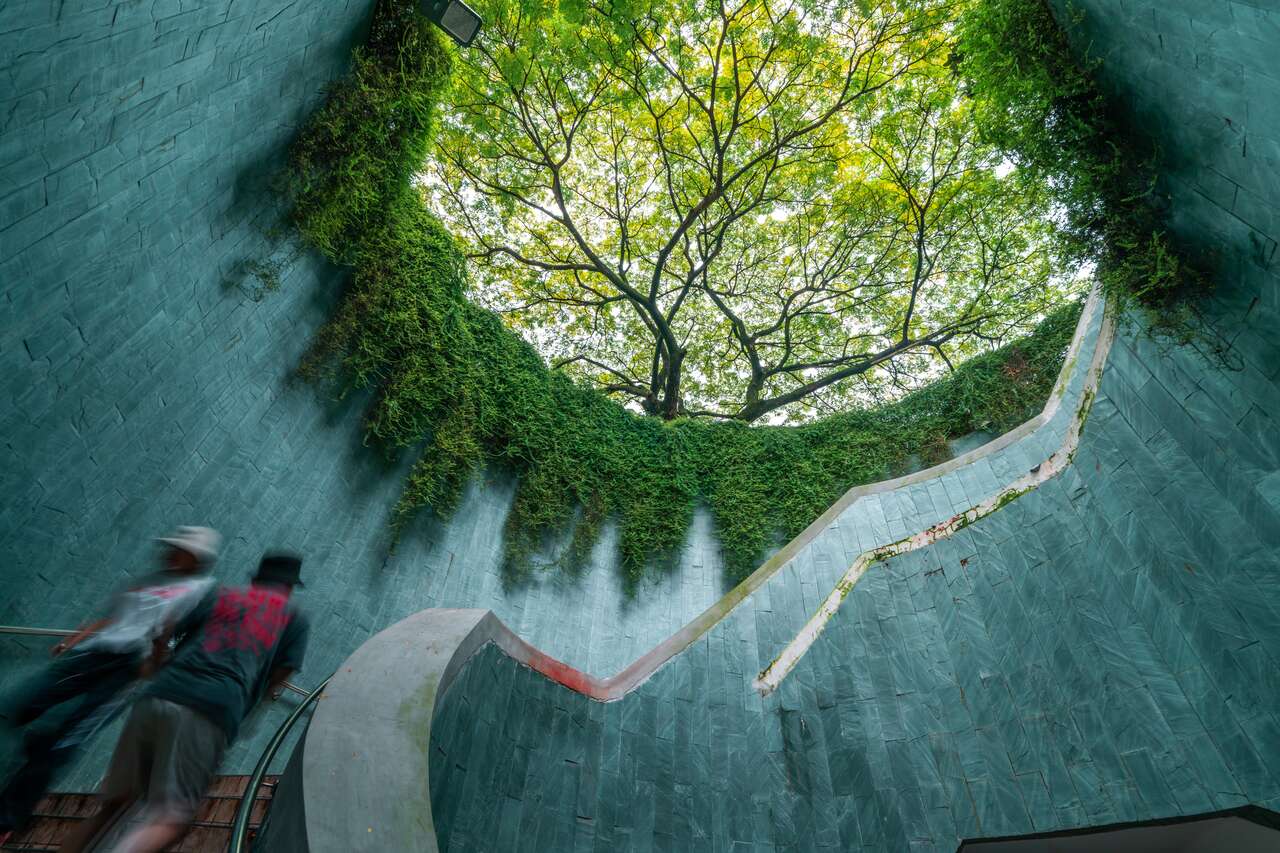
x=671, y=391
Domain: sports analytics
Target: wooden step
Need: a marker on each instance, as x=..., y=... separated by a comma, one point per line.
x=56, y=814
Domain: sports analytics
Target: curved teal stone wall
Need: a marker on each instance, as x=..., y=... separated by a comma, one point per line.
x=1103, y=649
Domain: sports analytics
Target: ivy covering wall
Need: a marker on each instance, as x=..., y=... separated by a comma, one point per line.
x=1038, y=100
x=451, y=384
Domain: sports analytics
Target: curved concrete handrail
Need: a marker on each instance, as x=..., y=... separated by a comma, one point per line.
x=368, y=745
x=365, y=754
x=365, y=768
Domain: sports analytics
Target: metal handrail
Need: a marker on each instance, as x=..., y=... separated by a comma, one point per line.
x=36, y=632
x=63, y=632
x=240, y=825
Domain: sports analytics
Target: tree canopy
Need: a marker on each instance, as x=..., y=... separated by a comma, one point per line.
x=455, y=388
x=763, y=210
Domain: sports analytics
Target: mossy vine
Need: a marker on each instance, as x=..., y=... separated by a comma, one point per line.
x=1044, y=107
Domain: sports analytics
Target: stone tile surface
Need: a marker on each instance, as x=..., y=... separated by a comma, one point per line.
x=1104, y=649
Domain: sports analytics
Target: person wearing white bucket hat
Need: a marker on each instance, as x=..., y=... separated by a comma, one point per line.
x=200, y=542
x=85, y=686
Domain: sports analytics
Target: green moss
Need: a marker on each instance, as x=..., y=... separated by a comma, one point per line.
x=459, y=389
x=1008, y=497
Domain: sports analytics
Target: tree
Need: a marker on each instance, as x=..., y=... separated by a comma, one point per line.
x=736, y=211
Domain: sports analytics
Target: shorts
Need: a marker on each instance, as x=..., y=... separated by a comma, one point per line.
x=167, y=755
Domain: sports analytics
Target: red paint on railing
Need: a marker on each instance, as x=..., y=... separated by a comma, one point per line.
x=561, y=672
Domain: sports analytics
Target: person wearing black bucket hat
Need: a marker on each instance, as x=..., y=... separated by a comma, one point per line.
x=280, y=568
x=242, y=642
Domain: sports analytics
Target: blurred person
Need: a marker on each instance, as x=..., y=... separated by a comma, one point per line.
x=85, y=686
x=238, y=644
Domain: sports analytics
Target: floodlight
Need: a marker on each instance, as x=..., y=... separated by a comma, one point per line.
x=456, y=18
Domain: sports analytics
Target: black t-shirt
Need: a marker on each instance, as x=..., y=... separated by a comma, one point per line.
x=233, y=641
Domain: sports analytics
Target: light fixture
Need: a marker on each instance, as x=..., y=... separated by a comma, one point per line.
x=456, y=18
